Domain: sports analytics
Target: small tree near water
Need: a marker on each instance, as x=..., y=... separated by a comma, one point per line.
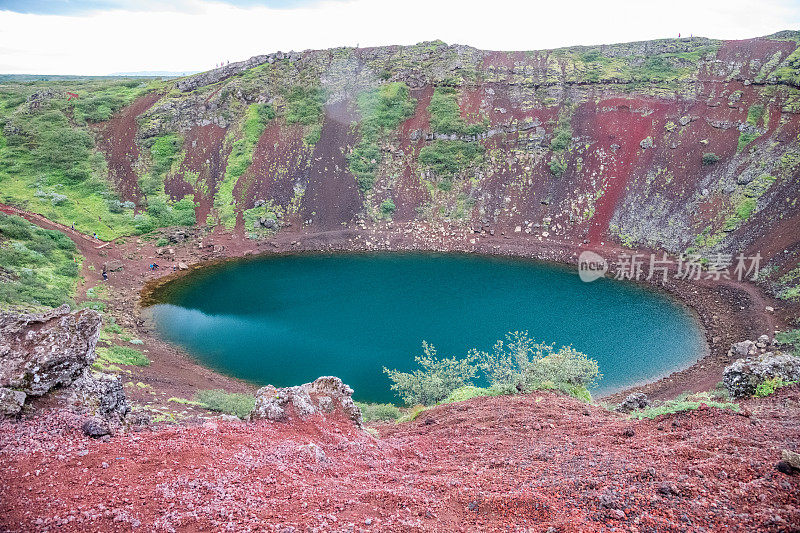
x=529, y=365
x=436, y=378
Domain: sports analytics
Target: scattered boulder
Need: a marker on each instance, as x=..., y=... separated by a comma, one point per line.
x=265, y=222
x=610, y=500
x=762, y=341
x=138, y=420
x=742, y=349
x=41, y=351
x=743, y=376
x=102, y=395
x=42, y=97
x=324, y=395
x=182, y=266
x=314, y=452
x=179, y=235
x=114, y=265
x=633, y=401
x=646, y=143
x=11, y=402
x=791, y=458
x=96, y=427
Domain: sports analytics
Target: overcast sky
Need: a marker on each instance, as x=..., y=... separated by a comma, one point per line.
x=105, y=36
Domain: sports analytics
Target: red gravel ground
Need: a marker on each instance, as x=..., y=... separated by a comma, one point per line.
x=539, y=462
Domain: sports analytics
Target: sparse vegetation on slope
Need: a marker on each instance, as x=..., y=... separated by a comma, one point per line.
x=382, y=110
x=256, y=119
x=37, y=267
x=383, y=412
x=447, y=158
x=446, y=114
x=684, y=402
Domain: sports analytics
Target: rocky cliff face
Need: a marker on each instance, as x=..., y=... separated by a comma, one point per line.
x=687, y=145
x=42, y=352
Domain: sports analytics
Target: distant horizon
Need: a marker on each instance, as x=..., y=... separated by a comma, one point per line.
x=98, y=37
x=150, y=73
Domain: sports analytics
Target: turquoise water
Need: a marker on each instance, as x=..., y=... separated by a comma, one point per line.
x=286, y=320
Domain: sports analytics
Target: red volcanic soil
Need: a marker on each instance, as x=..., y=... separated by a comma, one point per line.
x=540, y=462
x=280, y=160
x=117, y=140
x=409, y=192
x=619, y=126
x=332, y=196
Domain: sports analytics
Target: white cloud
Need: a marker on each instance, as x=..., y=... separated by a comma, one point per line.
x=204, y=33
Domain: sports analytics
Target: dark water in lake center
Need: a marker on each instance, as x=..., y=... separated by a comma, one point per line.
x=286, y=320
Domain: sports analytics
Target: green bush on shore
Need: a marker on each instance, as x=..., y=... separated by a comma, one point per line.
x=383, y=412
x=517, y=363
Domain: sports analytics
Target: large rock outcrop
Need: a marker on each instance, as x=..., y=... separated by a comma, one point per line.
x=743, y=376
x=324, y=395
x=41, y=351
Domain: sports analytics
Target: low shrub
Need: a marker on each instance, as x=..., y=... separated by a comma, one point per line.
x=709, y=158
x=112, y=328
x=790, y=339
x=304, y=105
x=387, y=208
x=684, y=402
x=521, y=361
x=313, y=136
x=226, y=402
x=446, y=158
x=558, y=165
x=769, y=386
x=383, y=412
x=745, y=138
x=470, y=391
